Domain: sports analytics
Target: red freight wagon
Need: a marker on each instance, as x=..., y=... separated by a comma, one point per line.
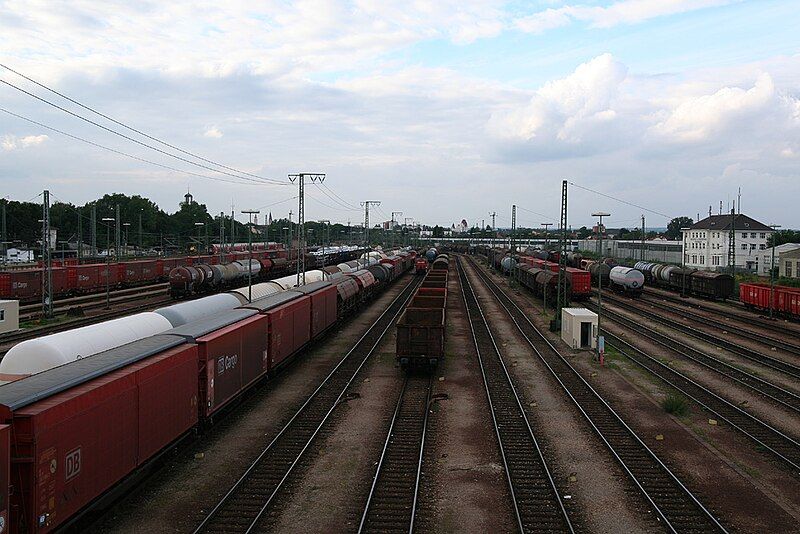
x=323, y=305
x=234, y=357
x=26, y=285
x=289, y=316
x=347, y=289
x=89, y=277
x=221, y=355
x=130, y=272
x=109, y=415
x=151, y=270
x=786, y=300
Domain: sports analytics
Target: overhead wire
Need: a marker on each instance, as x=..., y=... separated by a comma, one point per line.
x=131, y=128
x=141, y=143
x=121, y=153
x=620, y=200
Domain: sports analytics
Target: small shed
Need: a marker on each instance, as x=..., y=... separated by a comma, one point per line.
x=9, y=316
x=579, y=328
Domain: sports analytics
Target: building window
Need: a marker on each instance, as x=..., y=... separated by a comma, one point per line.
x=753, y=235
x=744, y=246
x=685, y=258
x=752, y=246
x=788, y=269
x=763, y=235
x=702, y=260
x=2, y=315
x=694, y=258
x=762, y=246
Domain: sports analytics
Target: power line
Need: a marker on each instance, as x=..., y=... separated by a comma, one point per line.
x=129, y=138
x=121, y=153
x=131, y=128
x=619, y=200
x=349, y=204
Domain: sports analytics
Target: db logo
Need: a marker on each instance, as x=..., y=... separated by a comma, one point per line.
x=72, y=463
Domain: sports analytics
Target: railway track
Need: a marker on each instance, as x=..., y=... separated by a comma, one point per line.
x=62, y=306
x=732, y=347
x=244, y=505
x=741, y=315
x=784, y=447
x=781, y=395
x=537, y=503
x=673, y=503
x=392, y=501
x=783, y=344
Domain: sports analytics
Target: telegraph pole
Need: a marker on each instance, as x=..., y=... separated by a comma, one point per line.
x=301, y=220
x=250, y=250
x=732, y=243
x=94, y=229
x=561, y=289
x=117, y=232
x=366, y=205
x=494, y=228
x=47, y=275
x=393, y=227
x=3, y=234
x=513, y=235
x=546, y=241
x=644, y=236
x=325, y=238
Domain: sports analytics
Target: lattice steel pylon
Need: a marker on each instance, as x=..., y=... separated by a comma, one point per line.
x=301, y=219
x=366, y=205
x=732, y=243
x=511, y=239
x=562, y=299
x=47, y=279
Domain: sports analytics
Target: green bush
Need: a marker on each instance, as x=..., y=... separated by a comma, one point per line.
x=675, y=405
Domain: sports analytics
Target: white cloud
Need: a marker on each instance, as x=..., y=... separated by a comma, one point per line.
x=213, y=133
x=701, y=117
x=12, y=142
x=564, y=110
x=621, y=12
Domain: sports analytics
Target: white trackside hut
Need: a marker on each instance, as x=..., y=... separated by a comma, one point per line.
x=9, y=316
x=579, y=328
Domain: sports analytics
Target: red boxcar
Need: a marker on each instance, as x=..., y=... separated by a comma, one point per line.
x=90, y=277
x=71, y=447
x=289, y=316
x=233, y=357
x=323, y=306
x=26, y=285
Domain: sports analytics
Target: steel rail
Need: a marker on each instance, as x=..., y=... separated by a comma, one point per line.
x=746, y=316
x=783, y=396
x=727, y=326
x=392, y=501
x=675, y=505
x=245, y=503
x=537, y=502
x=750, y=354
x=786, y=448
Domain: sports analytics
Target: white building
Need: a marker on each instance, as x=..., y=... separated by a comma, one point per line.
x=16, y=255
x=705, y=244
x=765, y=257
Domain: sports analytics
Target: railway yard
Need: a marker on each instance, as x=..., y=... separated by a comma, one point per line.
x=435, y=398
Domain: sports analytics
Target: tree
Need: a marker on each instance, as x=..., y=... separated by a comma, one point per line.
x=675, y=225
x=784, y=236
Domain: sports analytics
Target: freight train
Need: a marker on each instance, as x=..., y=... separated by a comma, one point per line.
x=103, y=402
x=207, y=276
x=420, y=341
x=69, y=280
x=703, y=284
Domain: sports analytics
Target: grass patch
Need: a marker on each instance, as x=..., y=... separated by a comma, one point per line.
x=675, y=405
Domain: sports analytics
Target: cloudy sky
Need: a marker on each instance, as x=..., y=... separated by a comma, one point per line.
x=442, y=110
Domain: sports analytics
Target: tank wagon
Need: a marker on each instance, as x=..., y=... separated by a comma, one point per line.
x=705, y=284
x=542, y=282
x=150, y=382
x=626, y=280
